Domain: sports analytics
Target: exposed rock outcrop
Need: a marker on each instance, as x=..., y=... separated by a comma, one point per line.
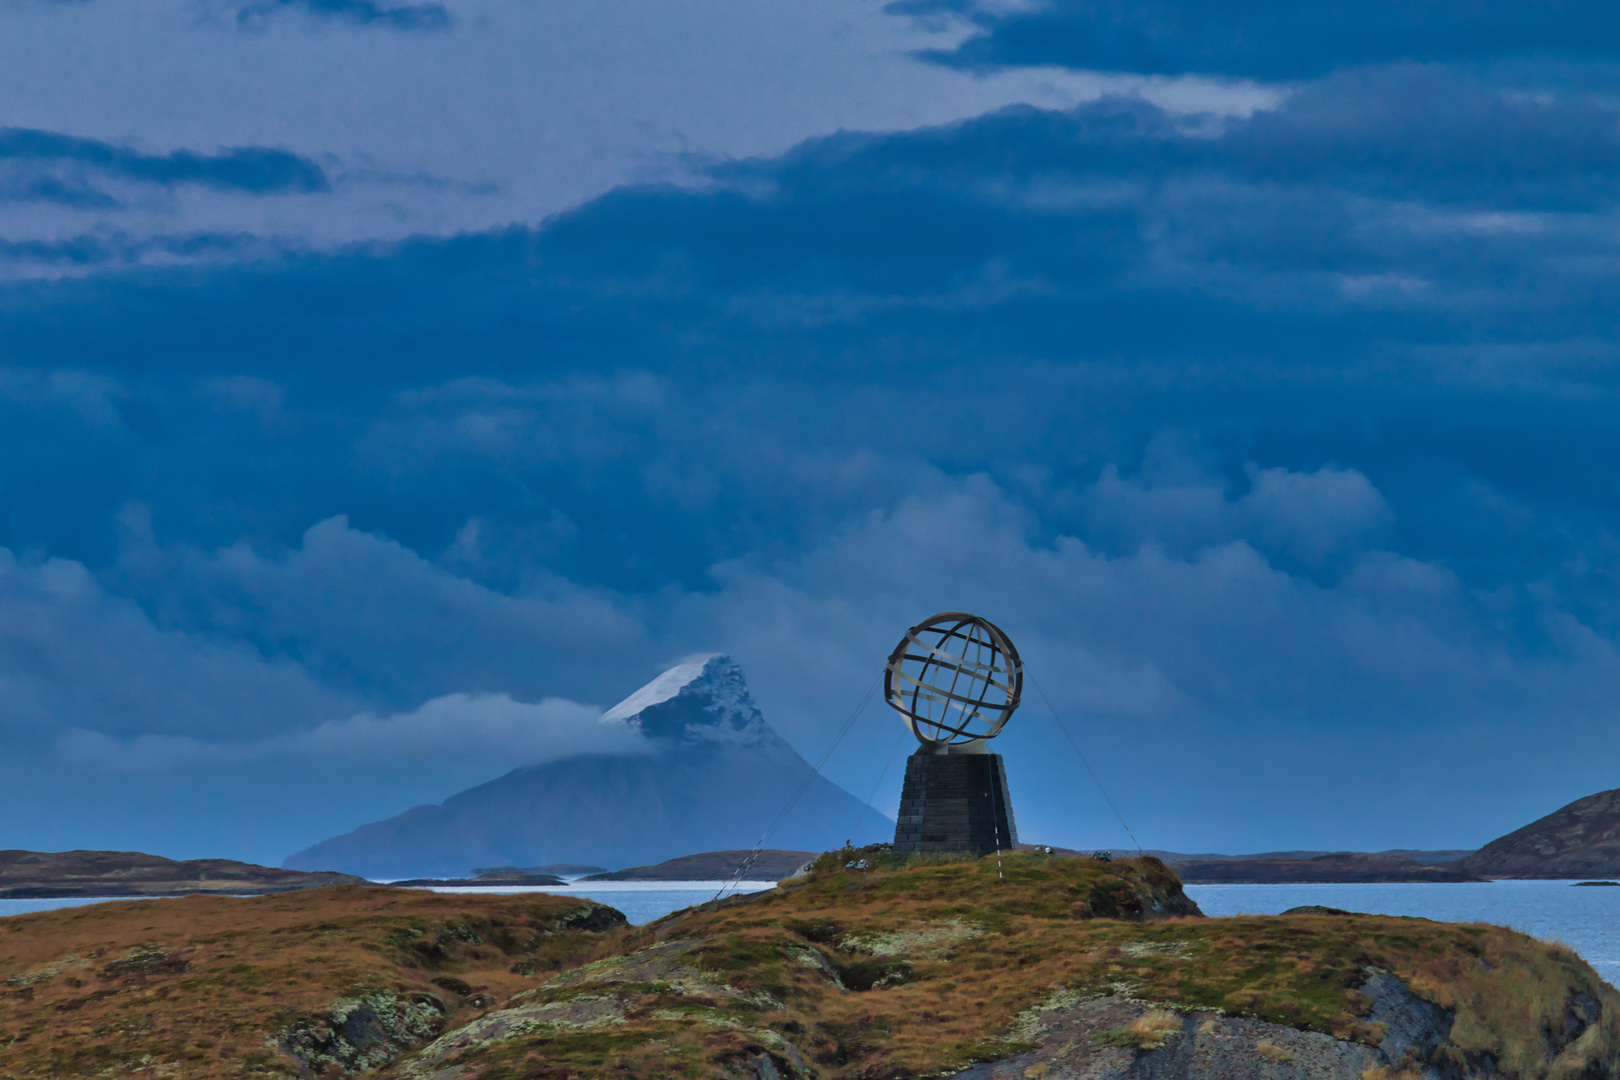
x=1112, y=1038
x=362, y=1033
x=1581, y=840
x=1118, y=1038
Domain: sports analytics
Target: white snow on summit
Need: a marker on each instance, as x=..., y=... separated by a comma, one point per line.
x=660, y=690
x=702, y=700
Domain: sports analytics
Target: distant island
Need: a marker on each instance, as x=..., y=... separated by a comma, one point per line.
x=1336, y=868
x=766, y=865
x=1580, y=840
x=1417, y=855
x=39, y=875
x=555, y=869
x=494, y=880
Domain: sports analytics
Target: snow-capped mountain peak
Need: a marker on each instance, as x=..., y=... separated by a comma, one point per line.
x=702, y=700
x=660, y=690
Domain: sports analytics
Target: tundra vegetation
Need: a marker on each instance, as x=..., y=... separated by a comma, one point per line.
x=916, y=966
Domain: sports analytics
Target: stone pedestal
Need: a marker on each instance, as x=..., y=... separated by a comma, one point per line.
x=955, y=803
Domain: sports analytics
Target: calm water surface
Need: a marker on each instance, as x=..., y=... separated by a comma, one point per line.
x=1585, y=919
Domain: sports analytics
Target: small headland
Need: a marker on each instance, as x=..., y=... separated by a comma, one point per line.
x=497, y=879
x=766, y=865
x=555, y=869
x=39, y=875
x=1580, y=841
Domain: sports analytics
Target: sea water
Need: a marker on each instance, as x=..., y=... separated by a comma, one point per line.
x=1585, y=919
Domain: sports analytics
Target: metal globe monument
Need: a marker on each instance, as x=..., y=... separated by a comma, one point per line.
x=955, y=679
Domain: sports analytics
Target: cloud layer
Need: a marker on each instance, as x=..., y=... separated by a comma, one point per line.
x=1280, y=438
x=1271, y=39
x=369, y=13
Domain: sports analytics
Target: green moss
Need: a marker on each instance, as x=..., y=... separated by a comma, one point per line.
x=868, y=974
x=989, y=1050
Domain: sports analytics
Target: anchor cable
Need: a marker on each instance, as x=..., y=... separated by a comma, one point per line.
x=869, y=798
x=1064, y=728
x=815, y=771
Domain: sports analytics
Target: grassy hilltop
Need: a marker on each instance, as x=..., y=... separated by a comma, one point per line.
x=914, y=967
x=343, y=978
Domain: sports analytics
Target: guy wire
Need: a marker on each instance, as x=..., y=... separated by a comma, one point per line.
x=815, y=771
x=1083, y=760
x=869, y=798
x=996, y=823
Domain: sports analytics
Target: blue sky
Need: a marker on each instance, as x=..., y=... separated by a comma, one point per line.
x=388, y=387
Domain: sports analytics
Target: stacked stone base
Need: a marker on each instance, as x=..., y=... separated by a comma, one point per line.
x=955, y=803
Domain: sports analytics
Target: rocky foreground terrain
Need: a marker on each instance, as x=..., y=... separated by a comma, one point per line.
x=40, y=874
x=1043, y=968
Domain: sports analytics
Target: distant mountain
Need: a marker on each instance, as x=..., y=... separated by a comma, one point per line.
x=1580, y=840
x=714, y=778
x=41, y=874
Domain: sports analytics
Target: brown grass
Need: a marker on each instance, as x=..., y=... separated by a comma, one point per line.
x=979, y=956
x=915, y=968
x=195, y=986
x=1272, y=1052
x=1150, y=1031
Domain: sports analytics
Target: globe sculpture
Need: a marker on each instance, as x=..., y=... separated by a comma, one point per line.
x=955, y=679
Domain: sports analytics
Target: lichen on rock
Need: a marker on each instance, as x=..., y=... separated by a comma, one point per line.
x=361, y=1033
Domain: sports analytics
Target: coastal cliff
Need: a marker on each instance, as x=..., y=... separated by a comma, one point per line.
x=1581, y=840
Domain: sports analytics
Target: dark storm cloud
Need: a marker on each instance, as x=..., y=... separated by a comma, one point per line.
x=111, y=248
x=1279, y=438
x=1238, y=264
x=50, y=167
x=417, y=17
x=1270, y=39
